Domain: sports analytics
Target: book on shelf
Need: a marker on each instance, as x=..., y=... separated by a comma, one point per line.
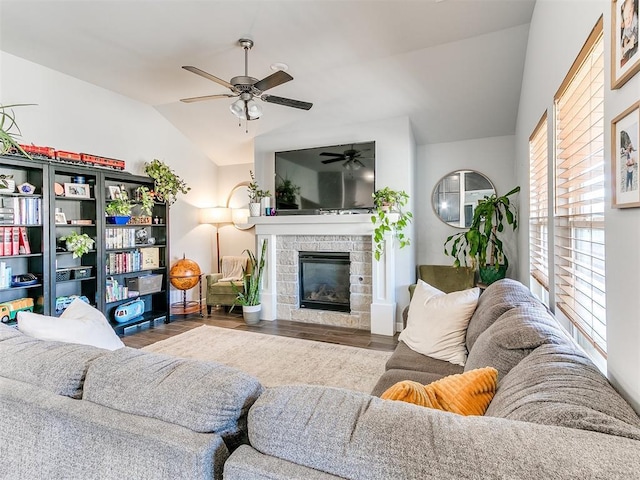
x=24, y=245
x=15, y=240
x=7, y=240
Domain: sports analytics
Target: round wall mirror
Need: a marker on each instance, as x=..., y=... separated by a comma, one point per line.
x=456, y=195
x=238, y=202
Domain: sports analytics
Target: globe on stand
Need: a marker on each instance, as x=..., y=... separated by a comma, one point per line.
x=184, y=275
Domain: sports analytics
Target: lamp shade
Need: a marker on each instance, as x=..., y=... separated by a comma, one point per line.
x=215, y=215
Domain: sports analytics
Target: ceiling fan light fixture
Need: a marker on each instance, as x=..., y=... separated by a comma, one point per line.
x=237, y=108
x=255, y=110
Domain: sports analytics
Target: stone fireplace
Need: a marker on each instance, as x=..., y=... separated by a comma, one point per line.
x=371, y=284
x=324, y=281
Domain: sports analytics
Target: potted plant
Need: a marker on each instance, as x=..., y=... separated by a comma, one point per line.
x=471, y=248
x=144, y=197
x=167, y=184
x=119, y=211
x=255, y=196
x=389, y=217
x=286, y=192
x=250, y=297
x=7, y=124
x=78, y=243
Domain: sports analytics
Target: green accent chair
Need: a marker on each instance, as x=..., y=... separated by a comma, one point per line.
x=446, y=278
x=222, y=293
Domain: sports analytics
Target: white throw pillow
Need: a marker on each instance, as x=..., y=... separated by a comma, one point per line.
x=437, y=322
x=79, y=323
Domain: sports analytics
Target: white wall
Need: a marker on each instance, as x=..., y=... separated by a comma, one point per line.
x=395, y=168
x=494, y=157
x=74, y=115
x=558, y=31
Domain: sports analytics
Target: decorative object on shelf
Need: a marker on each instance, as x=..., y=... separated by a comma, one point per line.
x=78, y=243
x=7, y=184
x=389, y=217
x=625, y=176
x=114, y=192
x=255, y=196
x=23, y=280
x=61, y=218
x=167, y=184
x=9, y=129
x=27, y=188
x=470, y=248
x=77, y=190
x=142, y=236
x=78, y=179
x=128, y=311
x=58, y=189
x=625, y=54
x=250, y=297
x=184, y=275
x=119, y=211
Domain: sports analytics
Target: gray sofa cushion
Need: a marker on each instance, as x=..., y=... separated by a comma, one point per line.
x=403, y=358
x=356, y=436
x=47, y=436
x=202, y=396
x=498, y=297
x=513, y=336
x=391, y=377
x=57, y=367
x=559, y=385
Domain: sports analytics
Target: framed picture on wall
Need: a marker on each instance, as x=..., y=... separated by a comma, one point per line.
x=625, y=54
x=625, y=132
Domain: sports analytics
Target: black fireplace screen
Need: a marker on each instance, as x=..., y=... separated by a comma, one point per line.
x=324, y=280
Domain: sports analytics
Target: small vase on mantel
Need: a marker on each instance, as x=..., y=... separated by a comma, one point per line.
x=254, y=209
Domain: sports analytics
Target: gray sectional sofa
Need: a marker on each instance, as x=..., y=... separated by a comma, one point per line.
x=554, y=414
x=72, y=411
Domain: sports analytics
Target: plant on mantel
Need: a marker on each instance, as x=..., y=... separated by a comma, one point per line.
x=389, y=217
x=254, y=191
x=470, y=248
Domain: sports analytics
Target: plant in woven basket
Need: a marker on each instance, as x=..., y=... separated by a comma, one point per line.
x=78, y=243
x=167, y=184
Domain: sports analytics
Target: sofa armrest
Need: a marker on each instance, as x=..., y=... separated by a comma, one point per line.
x=213, y=278
x=356, y=436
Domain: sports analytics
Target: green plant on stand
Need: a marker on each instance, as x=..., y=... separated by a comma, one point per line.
x=471, y=248
x=9, y=129
x=167, y=184
x=78, y=243
x=389, y=217
x=250, y=297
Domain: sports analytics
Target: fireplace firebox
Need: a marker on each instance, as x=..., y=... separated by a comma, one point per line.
x=324, y=279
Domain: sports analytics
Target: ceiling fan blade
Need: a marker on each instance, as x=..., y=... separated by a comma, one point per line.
x=273, y=80
x=287, y=102
x=208, y=76
x=329, y=154
x=206, y=97
x=331, y=160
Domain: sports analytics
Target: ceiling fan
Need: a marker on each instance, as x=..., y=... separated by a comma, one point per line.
x=350, y=157
x=248, y=89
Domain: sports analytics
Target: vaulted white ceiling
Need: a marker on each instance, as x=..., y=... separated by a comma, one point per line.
x=454, y=67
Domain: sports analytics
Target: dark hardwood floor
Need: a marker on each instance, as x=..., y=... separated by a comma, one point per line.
x=220, y=318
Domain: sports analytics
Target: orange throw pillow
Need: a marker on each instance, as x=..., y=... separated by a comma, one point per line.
x=466, y=393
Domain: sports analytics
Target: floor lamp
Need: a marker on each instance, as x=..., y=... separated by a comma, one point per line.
x=216, y=216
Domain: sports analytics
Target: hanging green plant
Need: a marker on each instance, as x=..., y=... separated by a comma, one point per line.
x=143, y=195
x=389, y=217
x=9, y=129
x=167, y=184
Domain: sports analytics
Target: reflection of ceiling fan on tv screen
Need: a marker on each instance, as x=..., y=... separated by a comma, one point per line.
x=351, y=158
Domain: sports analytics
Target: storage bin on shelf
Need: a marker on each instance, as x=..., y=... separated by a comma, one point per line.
x=145, y=284
x=83, y=271
x=63, y=274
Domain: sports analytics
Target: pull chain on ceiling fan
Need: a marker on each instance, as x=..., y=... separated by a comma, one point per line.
x=248, y=89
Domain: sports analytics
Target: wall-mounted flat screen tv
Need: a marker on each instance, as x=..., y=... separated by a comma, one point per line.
x=324, y=179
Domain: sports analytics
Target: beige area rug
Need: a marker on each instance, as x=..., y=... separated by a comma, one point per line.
x=279, y=360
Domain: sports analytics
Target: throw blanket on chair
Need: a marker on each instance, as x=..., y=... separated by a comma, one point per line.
x=232, y=268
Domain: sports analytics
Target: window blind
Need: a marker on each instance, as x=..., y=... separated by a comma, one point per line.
x=539, y=203
x=580, y=192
